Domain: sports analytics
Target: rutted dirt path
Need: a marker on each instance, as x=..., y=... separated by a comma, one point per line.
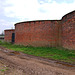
x=23, y=64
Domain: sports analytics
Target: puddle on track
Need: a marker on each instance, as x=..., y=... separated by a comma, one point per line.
x=65, y=64
x=1, y=58
x=14, y=53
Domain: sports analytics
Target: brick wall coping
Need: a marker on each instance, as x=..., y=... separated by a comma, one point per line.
x=70, y=13
x=36, y=21
x=10, y=30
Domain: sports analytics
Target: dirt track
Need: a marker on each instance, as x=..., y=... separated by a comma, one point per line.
x=23, y=64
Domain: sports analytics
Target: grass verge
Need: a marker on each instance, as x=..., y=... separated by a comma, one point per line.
x=46, y=52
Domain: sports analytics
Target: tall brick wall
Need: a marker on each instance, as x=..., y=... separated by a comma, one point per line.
x=48, y=33
x=37, y=33
x=8, y=35
x=68, y=31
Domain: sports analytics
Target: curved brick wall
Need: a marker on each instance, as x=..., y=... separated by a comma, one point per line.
x=37, y=33
x=48, y=33
x=68, y=31
x=8, y=35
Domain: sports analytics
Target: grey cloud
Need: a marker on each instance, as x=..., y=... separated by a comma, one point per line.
x=58, y=1
x=66, y=1
x=44, y=1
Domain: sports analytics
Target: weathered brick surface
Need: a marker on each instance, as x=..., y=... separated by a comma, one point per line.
x=48, y=33
x=68, y=31
x=37, y=33
x=8, y=35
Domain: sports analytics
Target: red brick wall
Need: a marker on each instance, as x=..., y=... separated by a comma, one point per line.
x=37, y=33
x=8, y=35
x=68, y=31
x=45, y=33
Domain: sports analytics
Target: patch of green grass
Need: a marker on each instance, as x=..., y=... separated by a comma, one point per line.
x=46, y=52
x=2, y=70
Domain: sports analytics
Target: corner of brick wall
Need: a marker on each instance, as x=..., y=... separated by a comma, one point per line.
x=8, y=35
x=68, y=31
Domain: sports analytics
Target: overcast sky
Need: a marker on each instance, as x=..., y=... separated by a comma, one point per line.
x=13, y=11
